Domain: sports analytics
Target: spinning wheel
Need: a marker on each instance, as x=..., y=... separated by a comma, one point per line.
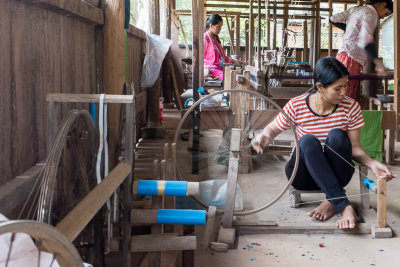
x=67, y=177
x=46, y=237
x=250, y=111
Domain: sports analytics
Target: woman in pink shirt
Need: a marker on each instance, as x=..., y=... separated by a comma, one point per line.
x=359, y=24
x=214, y=55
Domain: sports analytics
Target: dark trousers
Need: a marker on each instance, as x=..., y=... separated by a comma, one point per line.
x=322, y=169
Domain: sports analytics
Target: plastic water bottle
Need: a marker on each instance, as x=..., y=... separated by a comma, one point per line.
x=371, y=185
x=202, y=91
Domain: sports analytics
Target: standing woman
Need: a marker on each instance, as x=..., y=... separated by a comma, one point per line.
x=328, y=125
x=359, y=24
x=214, y=55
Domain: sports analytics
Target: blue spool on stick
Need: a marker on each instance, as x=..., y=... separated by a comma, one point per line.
x=186, y=217
x=166, y=188
x=371, y=185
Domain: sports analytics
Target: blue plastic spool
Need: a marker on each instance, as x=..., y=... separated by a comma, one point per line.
x=371, y=185
x=167, y=188
x=186, y=217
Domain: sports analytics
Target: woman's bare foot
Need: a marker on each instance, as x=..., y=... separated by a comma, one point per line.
x=323, y=212
x=348, y=220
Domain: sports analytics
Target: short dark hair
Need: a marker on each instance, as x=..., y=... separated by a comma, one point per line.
x=389, y=3
x=327, y=71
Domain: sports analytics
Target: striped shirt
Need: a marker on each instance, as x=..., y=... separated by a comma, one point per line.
x=346, y=116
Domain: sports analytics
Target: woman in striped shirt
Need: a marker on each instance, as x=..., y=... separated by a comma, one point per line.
x=327, y=124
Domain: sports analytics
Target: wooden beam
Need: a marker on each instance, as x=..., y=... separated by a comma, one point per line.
x=114, y=67
x=75, y=8
x=274, y=31
x=269, y=7
x=162, y=242
x=251, y=34
x=237, y=22
x=154, y=13
x=232, y=178
x=330, y=30
x=305, y=41
x=267, y=15
x=201, y=24
x=81, y=215
x=396, y=21
x=243, y=15
x=89, y=98
x=259, y=36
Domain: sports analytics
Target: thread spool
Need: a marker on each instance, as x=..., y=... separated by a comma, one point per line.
x=167, y=188
x=371, y=185
x=186, y=217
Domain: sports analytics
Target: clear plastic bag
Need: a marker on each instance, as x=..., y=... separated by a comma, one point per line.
x=156, y=49
x=213, y=192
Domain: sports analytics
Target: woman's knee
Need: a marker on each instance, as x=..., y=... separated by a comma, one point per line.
x=309, y=142
x=338, y=138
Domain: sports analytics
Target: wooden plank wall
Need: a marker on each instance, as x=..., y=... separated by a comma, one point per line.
x=42, y=50
x=136, y=43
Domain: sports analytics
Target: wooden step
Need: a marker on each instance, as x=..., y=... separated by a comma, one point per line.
x=162, y=242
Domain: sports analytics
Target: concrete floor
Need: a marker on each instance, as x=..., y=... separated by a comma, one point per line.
x=305, y=249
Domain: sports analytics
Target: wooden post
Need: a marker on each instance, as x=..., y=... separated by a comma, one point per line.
x=285, y=24
x=268, y=14
x=237, y=34
x=201, y=43
x=305, y=41
x=274, y=36
x=129, y=158
x=154, y=16
x=114, y=67
x=195, y=65
x=381, y=202
x=251, y=33
x=247, y=42
x=317, y=36
x=259, y=37
x=157, y=203
x=232, y=178
x=312, y=33
x=330, y=30
x=396, y=74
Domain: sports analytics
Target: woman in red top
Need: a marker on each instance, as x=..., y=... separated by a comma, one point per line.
x=328, y=125
x=214, y=55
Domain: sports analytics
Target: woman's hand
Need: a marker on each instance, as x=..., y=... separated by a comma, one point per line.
x=259, y=143
x=236, y=61
x=381, y=171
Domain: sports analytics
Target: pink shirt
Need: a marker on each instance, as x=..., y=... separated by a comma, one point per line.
x=213, y=51
x=361, y=22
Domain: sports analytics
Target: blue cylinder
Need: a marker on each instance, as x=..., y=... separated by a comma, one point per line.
x=371, y=185
x=175, y=188
x=147, y=187
x=162, y=188
x=186, y=217
x=92, y=108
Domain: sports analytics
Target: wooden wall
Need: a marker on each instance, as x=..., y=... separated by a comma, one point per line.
x=136, y=44
x=42, y=50
x=51, y=47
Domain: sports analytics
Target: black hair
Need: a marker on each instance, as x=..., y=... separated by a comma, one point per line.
x=327, y=71
x=389, y=3
x=214, y=19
